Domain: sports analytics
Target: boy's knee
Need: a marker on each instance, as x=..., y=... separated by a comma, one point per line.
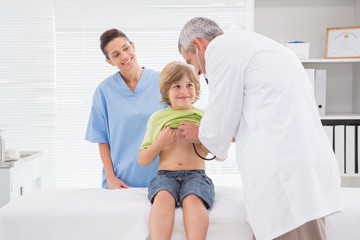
x=192, y=199
x=164, y=196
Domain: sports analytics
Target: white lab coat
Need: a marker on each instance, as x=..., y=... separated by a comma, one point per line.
x=260, y=94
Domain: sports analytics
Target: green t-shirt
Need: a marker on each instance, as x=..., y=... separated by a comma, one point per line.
x=168, y=118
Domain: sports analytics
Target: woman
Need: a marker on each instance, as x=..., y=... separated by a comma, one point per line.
x=122, y=104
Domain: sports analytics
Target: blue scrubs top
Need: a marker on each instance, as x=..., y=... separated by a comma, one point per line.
x=119, y=117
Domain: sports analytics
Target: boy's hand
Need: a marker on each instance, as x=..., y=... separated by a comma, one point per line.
x=166, y=137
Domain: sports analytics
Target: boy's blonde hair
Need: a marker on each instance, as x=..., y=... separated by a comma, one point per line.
x=173, y=72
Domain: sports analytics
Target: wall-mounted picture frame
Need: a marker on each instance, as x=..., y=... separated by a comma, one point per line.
x=343, y=42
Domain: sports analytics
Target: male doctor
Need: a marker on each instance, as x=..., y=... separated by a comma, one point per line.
x=261, y=96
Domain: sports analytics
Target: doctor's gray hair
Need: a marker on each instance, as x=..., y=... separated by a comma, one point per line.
x=198, y=27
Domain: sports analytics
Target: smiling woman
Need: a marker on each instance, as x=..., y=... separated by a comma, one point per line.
x=122, y=105
x=51, y=64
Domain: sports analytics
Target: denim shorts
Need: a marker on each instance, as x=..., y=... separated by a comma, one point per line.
x=183, y=183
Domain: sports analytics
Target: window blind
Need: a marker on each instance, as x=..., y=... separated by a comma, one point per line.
x=63, y=87
x=27, y=80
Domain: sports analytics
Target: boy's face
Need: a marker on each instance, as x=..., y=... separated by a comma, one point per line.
x=182, y=94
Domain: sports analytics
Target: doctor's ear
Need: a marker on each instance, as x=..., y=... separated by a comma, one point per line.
x=200, y=44
x=197, y=44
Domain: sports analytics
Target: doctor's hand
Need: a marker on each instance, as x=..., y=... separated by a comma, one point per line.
x=190, y=132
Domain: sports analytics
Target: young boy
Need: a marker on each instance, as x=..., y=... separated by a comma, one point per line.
x=181, y=179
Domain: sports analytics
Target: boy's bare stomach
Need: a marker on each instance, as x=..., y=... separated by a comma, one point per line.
x=181, y=156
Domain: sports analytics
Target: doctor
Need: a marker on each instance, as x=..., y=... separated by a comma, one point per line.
x=261, y=96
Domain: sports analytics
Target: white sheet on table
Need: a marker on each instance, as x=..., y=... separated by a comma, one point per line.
x=109, y=214
x=76, y=214
x=89, y=214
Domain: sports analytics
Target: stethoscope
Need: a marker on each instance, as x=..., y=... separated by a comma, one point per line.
x=204, y=158
x=207, y=82
x=202, y=70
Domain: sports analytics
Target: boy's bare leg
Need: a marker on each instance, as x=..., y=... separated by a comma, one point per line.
x=196, y=218
x=162, y=214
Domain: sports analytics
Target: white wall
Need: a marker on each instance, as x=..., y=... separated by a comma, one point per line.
x=307, y=20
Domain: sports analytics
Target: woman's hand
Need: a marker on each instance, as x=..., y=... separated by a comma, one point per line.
x=116, y=183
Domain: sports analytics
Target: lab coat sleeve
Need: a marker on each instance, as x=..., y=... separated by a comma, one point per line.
x=223, y=111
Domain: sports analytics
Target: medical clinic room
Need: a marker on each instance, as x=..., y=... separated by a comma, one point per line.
x=180, y=120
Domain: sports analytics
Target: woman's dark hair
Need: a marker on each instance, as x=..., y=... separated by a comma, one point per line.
x=108, y=36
